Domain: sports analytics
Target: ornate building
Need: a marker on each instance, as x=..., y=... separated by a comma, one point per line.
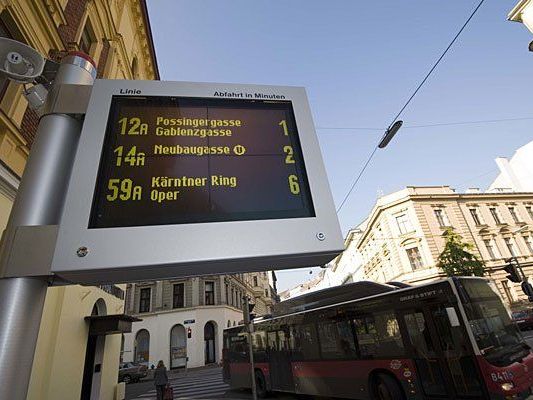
x=116, y=34
x=193, y=313
x=403, y=235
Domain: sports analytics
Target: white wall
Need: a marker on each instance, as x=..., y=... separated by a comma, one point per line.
x=516, y=174
x=159, y=326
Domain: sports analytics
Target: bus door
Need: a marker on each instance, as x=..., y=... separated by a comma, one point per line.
x=440, y=347
x=280, y=361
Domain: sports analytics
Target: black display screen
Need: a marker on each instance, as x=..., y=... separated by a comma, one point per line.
x=175, y=160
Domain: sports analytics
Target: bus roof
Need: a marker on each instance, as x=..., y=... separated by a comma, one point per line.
x=330, y=296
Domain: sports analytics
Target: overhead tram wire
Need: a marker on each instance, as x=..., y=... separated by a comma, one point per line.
x=409, y=101
x=478, y=122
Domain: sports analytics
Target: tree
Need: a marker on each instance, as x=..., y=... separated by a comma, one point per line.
x=457, y=258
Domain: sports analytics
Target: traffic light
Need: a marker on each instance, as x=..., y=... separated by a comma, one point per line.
x=247, y=309
x=189, y=333
x=512, y=269
x=528, y=290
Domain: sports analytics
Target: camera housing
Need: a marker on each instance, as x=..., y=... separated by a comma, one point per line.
x=19, y=62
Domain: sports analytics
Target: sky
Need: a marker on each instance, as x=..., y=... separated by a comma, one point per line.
x=359, y=62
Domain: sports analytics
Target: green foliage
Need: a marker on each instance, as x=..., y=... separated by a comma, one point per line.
x=457, y=258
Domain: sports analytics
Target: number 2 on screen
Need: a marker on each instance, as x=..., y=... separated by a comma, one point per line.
x=288, y=150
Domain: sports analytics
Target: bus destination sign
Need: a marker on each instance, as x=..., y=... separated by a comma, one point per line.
x=176, y=160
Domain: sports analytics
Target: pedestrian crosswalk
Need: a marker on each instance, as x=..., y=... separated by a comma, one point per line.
x=206, y=384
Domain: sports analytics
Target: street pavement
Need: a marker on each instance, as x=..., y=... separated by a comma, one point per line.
x=205, y=384
x=197, y=384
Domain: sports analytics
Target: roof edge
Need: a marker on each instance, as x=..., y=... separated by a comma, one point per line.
x=515, y=14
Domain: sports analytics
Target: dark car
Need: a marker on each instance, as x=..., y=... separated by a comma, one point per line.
x=131, y=372
x=523, y=318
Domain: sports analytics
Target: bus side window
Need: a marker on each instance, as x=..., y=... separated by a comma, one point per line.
x=272, y=341
x=336, y=340
x=284, y=339
x=259, y=341
x=379, y=336
x=304, y=342
x=238, y=349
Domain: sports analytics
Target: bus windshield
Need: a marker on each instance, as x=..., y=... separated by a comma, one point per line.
x=497, y=337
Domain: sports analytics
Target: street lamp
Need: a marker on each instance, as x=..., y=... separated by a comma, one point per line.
x=389, y=134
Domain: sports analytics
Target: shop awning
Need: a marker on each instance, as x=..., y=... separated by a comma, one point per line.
x=110, y=324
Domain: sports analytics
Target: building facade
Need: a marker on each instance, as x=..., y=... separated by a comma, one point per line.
x=403, y=237
x=183, y=319
x=516, y=174
x=116, y=34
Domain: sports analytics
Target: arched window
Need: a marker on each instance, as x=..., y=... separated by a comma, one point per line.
x=178, y=347
x=142, y=347
x=99, y=308
x=209, y=341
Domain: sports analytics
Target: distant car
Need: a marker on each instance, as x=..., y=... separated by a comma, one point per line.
x=131, y=372
x=523, y=318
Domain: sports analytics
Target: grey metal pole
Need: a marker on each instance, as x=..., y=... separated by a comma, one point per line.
x=39, y=201
x=250, y=329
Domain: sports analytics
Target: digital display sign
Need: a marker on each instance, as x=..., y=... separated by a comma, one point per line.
x=174, y=179
x=176, y=160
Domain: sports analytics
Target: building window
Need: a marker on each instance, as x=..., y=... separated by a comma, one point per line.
x=227, y=293
x=441, y=218
x=414, y=258
x=495, y=215
x=475, y=216
x=144, y=302
x=490, y=249
x=512, y=211
x=529, y=210
x=510, y=246
x=255, y=281
x=178, y=295
x=210, y=293
x=87, y=38
x=404, y=225
x=529, y=243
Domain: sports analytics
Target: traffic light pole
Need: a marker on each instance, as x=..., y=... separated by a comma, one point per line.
x=248, y=323
x=39, y=201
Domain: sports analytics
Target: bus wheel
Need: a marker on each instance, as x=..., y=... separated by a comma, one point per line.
x=260, y=385
x=386, y=387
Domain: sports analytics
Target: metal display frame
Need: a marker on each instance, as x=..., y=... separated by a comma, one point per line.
x=127, y=254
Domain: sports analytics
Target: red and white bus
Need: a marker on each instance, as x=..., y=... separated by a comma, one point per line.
x=452, y=339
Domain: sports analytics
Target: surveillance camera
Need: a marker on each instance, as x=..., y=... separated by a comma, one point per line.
x=531, y=46
x=19, y=62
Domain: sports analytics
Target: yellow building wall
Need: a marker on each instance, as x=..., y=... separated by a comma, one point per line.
x=60, y=355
